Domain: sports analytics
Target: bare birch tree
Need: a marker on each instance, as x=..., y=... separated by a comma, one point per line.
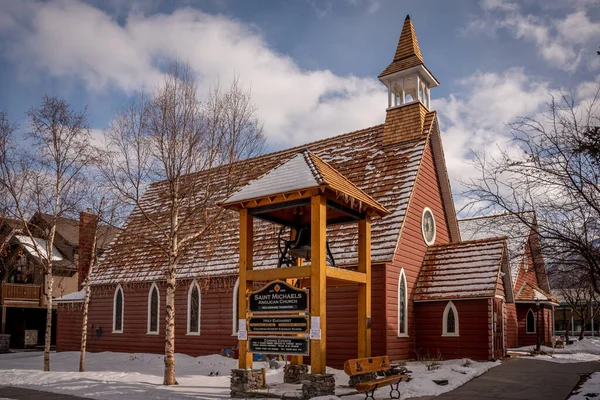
x=165, y=138
x=556, y=173
x=45, y=178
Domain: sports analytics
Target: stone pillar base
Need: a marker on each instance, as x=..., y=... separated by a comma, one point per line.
x=318, y=385
x=295, y=373
x=246, y=381
x=4, y=342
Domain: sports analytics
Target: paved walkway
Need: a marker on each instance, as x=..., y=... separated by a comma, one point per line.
x=524, y=378
x=17, y=393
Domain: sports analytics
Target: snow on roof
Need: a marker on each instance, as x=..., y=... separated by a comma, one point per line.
x=74, y=297
x=387, y=174
x=304, y=171
x=508, y=225
x=292, y=175
x=530, y=294
x=41, y=244
x=461, y=270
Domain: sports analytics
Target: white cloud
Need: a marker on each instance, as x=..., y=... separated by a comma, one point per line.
x=69, y=39
x=564, y=42
x=476, y=119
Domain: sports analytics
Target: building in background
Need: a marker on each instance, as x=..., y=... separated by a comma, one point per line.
x=22, y=279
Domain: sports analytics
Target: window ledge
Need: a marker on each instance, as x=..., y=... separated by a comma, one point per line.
x=117, y=332
x=151, y=333
x=450, y=335
x=402, y=335
x=193, y=334
x=531, y=333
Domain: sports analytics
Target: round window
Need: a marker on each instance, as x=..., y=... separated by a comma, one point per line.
x=428, y=226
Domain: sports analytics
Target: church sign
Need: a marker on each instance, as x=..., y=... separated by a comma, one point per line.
x=279, y=345
x=279, y=296
x=279, y=324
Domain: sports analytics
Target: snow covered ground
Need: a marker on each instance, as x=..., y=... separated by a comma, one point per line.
x=589, y=390
x=587, y=349
x=139, y=376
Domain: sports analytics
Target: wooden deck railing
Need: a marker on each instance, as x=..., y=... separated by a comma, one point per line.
x=20, y=292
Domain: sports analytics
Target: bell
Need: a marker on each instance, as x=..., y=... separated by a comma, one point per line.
x=300, y=247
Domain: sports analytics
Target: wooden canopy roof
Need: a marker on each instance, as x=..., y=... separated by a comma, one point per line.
x=282, y=195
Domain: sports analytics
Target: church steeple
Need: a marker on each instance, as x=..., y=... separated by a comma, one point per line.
x=407, y=78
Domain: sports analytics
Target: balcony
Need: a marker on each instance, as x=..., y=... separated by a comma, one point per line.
x=20, y=292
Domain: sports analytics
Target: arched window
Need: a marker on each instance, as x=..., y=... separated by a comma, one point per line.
x=118, y=303
x=235, y=306
x=193, y=327
x=450, y=320
x=402, y=305
x=153, y=309
x=530, y=321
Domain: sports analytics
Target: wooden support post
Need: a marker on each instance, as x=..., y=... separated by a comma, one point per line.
x=296, y=360
x=318, y=297
x=3, y=326
x=246, y=252
x=364, y=290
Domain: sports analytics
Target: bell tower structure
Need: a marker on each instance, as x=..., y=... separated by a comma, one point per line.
x=406, y=78
x=408, y=82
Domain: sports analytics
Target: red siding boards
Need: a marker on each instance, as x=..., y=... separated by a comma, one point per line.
x=511, y=326
x=216, y=321
x=543, y=325
x=68, y=327
x=474, y=334
x=410, y=253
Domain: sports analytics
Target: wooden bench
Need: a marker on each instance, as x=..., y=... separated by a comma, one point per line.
x=365, y=368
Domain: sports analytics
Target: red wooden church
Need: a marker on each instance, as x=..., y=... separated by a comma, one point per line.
x=430, y=291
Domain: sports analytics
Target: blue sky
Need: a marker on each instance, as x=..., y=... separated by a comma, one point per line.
x=312, y=65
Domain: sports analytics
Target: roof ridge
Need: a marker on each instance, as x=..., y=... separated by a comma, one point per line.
x=292, y=150
x=342, y=176
x=313, y=168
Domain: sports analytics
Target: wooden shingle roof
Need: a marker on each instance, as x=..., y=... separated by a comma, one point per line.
x=462, y=270
x=508, y=225
x=530, y=294
x=386, y=174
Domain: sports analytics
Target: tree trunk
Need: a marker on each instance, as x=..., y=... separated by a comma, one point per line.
x=170, y=328
x=86, y=304
x=47, y=339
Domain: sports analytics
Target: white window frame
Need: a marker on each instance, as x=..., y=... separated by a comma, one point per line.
x=405, y=333
x=534, y=322
x=114, y=316
x=450, y=306
x=148, y=331
x=194, y=284
x=234, y=323
x=432, y=241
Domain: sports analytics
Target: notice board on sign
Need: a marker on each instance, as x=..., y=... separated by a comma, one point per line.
x=279, y=296
x=279, y=345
